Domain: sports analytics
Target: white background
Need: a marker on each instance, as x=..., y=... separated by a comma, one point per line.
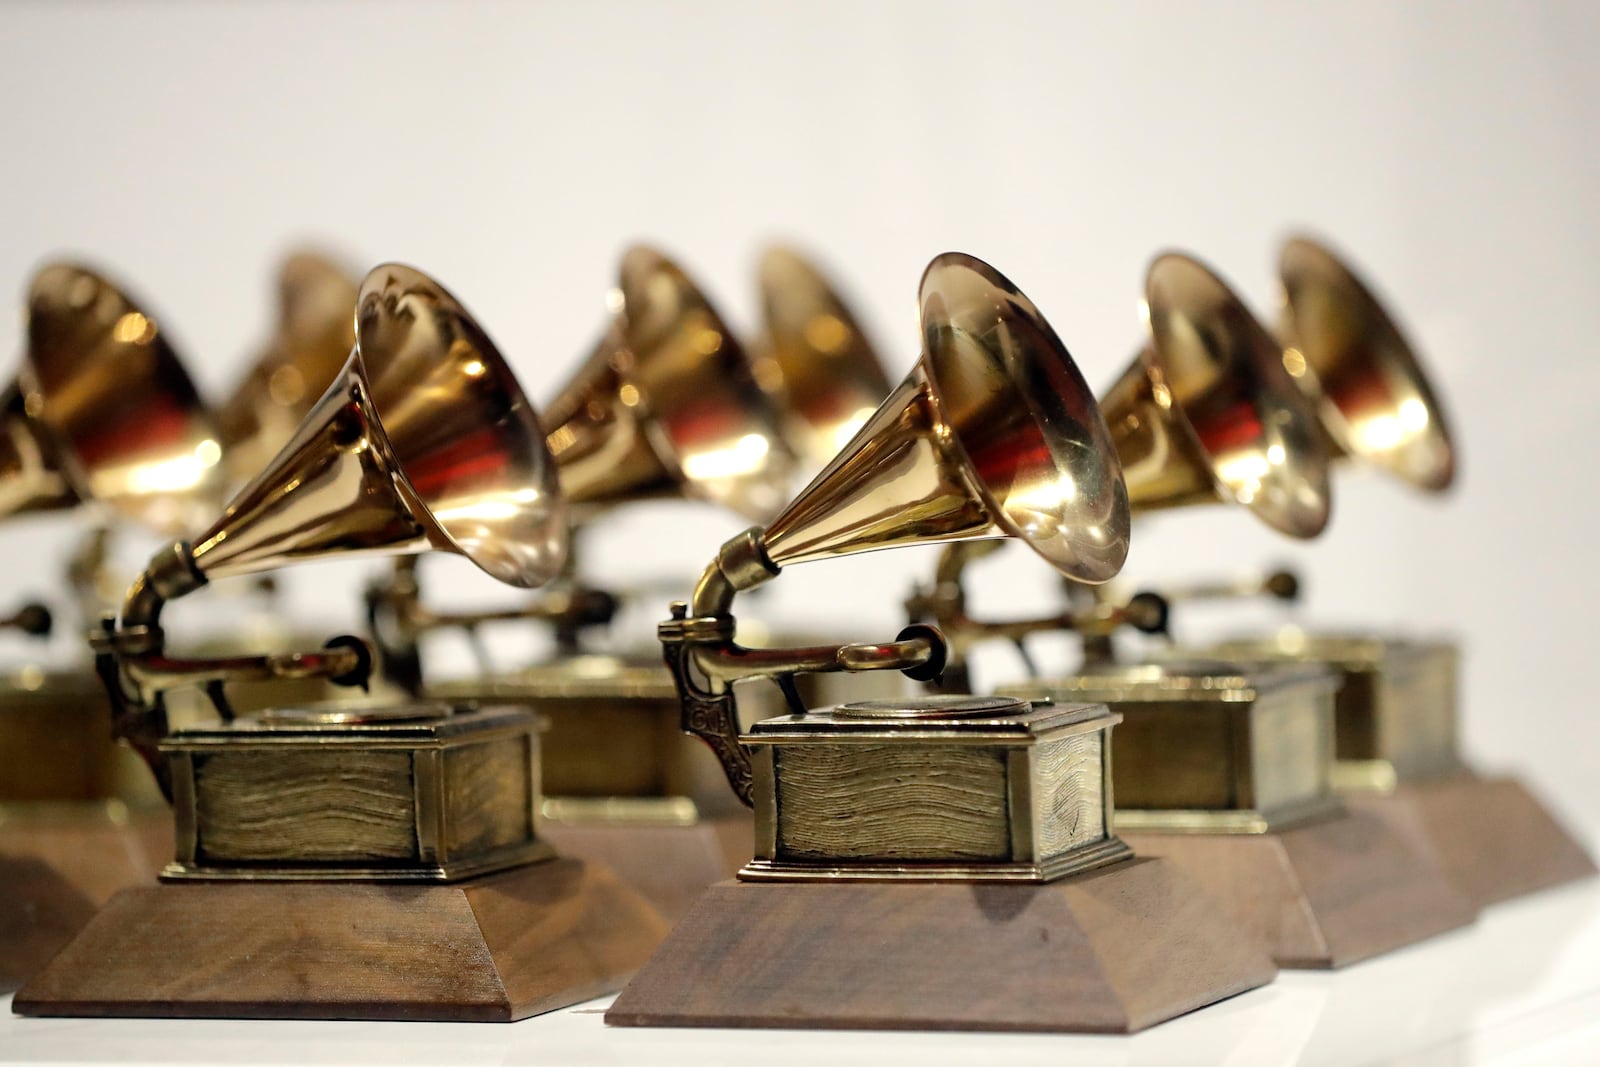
x=514, y=150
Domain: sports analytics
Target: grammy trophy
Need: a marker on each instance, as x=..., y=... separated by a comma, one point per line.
x=349, y=860
x=943, y=862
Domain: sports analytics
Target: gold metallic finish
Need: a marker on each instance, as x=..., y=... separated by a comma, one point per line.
x=1396, y=718
x=311, y=340
x=1207, y=411
x=376, y=797
x=1206, y=747
x=123, y=422
x=424, y=441
x=813, y=358
x=1345, y=352
x=949, y=789
x=667, y=404
x=993, y=433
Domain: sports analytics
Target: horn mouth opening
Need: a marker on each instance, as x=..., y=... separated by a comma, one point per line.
x=101, y=377
x=1215, y=366
x=816, y=361
x=1026, y=419
x=1352, y=360
x=698, y=388
x=466, y=440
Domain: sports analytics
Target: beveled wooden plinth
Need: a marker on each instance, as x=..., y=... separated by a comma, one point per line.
x=669, y=866
x=59, y=864
x=495, y=948
x=1113, y=950
x=1326, y=893
x=1493, y=837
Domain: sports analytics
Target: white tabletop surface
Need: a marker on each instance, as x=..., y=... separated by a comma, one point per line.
x=1522, y=987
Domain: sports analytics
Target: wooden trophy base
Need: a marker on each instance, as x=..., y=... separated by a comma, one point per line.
x=1114, y=950
x=670, y=866
x=59, y=864
x=1325, y=893
x=1493, y=838
x=494, y=948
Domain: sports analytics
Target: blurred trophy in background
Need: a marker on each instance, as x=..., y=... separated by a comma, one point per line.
x=1223, y=769
x=666, y=406
x=879, y=822
x=1397, y=741
x=346, y=860
x=101, y=419
x=312, y=334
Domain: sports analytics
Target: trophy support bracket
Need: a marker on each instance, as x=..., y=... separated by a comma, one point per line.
x=1493, y=837
x=60, y=863
x=1113, y=950
x=495, y=948
x=1327, y=892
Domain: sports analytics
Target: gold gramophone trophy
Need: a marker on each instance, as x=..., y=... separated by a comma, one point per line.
x=1396, y=737
x=1226, y=770
x=350, y=861
x=101, y=419
x=933, y=862
x=666, y=406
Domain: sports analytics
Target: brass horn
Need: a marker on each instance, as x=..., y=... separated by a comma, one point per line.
x=312, y=338
x=117, y=418
x=992, y=434
x=1208, y=412
x=666, y=404
x=424, y=441
x=1344, y=351
x=813, y=358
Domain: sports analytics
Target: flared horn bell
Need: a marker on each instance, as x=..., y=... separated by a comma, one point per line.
x=1207, y=411
x=126, y=423
x=994, y=433
x=424, y=441
x=667, y=405
x=813, y=358
x=1346, y=353
x=311, y=340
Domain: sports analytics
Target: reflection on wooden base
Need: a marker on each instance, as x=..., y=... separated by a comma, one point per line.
x=495, y=948
x=59, y=863
x=1494, y=839
x=1325, y=893
x=670, y=866
x=1111, y=951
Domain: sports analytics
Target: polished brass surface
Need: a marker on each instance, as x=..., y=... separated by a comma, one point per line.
x=1207, y=411
x=1342, y=348
x=123, y=421
x=424, y=441
x=1396, y=717
x=666, y=404
x=1205, y=747
x=813, y=358
x=992, y=434
x=311, y=340
x=945, y=788
x=437, y=796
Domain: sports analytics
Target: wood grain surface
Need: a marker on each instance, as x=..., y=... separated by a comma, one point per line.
x=496, y=948
x=669, y=865
x=892, y=802
x=342, y=805
x=1324, y=894
x=56, y=870
x=1115, y=951
x=1493, y=837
